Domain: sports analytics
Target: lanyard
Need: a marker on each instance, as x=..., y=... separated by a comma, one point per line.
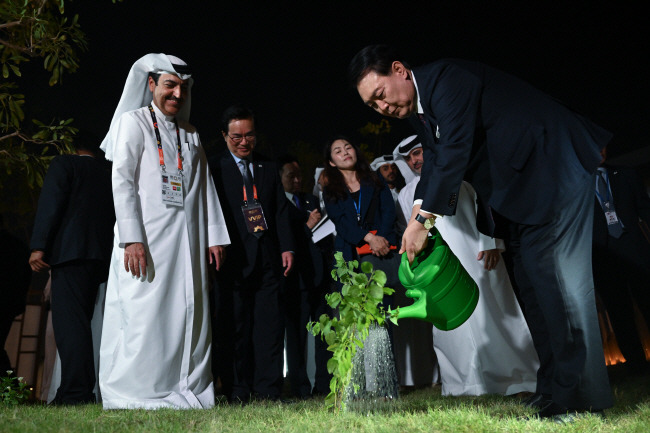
x=159, y=143
x=358, y=206
x=254, y=193
x=606, y=199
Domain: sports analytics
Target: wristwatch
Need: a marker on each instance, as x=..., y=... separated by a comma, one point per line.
x=426, y=222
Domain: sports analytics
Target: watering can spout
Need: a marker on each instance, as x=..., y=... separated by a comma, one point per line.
x=445, y=294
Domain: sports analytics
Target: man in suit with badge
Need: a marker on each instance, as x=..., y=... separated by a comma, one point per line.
x=249, y=327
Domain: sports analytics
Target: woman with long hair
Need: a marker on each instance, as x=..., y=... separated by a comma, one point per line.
x=361, y=207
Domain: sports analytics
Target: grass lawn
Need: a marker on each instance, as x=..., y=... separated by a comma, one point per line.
x=416, y=411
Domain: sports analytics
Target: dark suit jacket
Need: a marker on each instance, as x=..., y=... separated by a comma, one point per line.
x=349, y=234
x=242, y=253
x=509, y=140
x=309, y=265
x=75, y=217
x=631, y=203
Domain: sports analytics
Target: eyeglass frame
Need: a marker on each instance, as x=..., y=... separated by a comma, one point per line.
x=249, y=138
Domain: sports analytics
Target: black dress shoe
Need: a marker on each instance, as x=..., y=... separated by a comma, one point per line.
x=552, y=409
x=571, y=416
x=537, y=401
x=562, y=415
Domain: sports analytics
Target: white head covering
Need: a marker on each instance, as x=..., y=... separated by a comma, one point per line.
x=136, y=92
x=317, y=189
x=400, y=153
x=384, y=159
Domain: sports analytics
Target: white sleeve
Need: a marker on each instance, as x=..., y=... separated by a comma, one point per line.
x=129, y=145
x=217, y=230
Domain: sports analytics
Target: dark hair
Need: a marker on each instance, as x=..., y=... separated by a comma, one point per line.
x=336, y=188
x=235, y=112
x=86, y=140
x=373, y=58
x=155, y=77
x=283, y=159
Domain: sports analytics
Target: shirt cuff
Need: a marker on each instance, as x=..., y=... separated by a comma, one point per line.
x=419, y=201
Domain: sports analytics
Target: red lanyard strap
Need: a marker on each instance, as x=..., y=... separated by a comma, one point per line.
x=254, y=193
x=161, y=157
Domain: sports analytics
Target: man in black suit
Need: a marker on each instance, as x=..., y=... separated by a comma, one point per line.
x=73, y=237
x=249, y=327
x=305, y=288
x=621, y=256
x=531, y=161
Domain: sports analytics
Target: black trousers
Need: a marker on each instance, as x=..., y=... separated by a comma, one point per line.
x=552, y=264
x=74, y=291
x=249, y=333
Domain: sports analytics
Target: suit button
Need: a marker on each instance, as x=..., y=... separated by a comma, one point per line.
x=452, y=200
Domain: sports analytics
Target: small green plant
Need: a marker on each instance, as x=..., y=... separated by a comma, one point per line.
x=13, y=390
x=358, y=309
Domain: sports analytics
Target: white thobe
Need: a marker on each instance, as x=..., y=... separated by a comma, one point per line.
x=492, y=352
x=156, y=337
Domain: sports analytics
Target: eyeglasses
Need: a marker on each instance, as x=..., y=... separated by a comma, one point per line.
x=238, y=138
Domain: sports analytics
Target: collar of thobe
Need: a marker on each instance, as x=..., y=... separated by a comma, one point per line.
x=417, y=94
x=168, y=121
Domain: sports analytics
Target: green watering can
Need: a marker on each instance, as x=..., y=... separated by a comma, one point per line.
x=444, y=293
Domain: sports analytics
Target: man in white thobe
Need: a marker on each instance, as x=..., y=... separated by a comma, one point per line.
x=156, y=338
x=492, y=352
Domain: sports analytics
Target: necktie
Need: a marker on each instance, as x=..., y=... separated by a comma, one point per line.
x=296, y=201
x=246, y=174
x=607, y=203
x=248, y=183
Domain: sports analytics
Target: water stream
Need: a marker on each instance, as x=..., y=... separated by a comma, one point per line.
x=373, y=370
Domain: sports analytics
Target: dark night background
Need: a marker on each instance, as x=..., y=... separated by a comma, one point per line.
x=288, y=61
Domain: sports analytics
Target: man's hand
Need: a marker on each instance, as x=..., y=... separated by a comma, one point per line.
x=135, y=259
x=287, y=262
x=414, y=240
x=415, y=236
x=219, y=254
x=314, y=217
x=491, y=258
x=36, y=261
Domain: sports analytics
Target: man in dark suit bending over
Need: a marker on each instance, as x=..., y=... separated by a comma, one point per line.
x=249, y=327
x=531, y=161
x=73, y=236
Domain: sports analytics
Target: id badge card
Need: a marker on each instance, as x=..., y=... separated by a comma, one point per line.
x=611, y=217
x=254, y=217
x=172, y=189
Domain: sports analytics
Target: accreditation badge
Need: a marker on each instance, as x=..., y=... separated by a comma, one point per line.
x=611, y=217
x=172, y=189
x=254, y=217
